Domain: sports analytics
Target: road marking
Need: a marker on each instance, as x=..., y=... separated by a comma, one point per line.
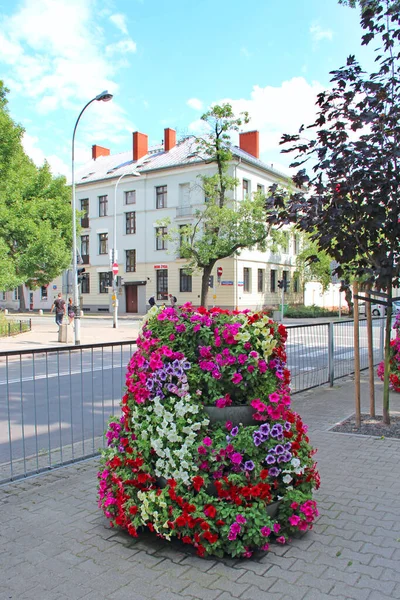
x=52, y=375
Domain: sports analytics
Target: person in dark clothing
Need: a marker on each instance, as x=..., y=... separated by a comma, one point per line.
x=152, y=301
x=59, y=307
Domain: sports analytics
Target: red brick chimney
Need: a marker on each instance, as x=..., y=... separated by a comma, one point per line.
x=249, y=142
x=169, y=139
x=99, y=151
x=140, y=145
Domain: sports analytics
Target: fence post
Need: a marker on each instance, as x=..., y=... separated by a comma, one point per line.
x=9, y=329
x=331, y=368
x=20, y=326
x=382, y=337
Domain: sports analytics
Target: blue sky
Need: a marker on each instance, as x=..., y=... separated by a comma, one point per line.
x=166, y=62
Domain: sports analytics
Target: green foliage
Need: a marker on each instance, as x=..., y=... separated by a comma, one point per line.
x=35, y=213
x=302, y=312
x=313, y=264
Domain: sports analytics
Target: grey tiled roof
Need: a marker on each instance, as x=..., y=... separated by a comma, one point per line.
x=184, y=153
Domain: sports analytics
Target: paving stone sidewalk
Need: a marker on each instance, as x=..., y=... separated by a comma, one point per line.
x=56, y=545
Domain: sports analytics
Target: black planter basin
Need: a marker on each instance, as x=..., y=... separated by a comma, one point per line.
x=235, y=414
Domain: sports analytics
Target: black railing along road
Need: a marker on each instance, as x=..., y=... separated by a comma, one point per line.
x=55, y=403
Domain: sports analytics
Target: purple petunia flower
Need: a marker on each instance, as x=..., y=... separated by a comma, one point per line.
x=257, y=440
x=274, y=472
x=270, y=460
x=265, y=429
x=279, y=449
x=276, y=430
x=234, y=431
x=287, y=426
x=249, y=465
x=186, y=365
x=288, y=446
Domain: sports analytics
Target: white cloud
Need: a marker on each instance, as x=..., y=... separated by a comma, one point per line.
x=274, y=111
x=119, y=21
x=121, y=47
x=244, y=52
x=55, y=54
x=58, y=166
x=318, y=34
x=195, y=103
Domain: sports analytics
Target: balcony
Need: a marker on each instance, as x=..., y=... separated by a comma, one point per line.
x=184, y=211
x=85, y=222
x=85, y=259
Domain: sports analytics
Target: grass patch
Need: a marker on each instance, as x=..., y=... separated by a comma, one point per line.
x=10, y=327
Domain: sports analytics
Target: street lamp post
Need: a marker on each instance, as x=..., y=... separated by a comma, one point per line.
x=114, y=253
x=104, y=97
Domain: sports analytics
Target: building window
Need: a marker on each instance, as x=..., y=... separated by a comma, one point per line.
x=85, y=285
x=183, y=239
x=84, y=247
x=162, y=284
x=130, y=197
x=103, y=203
x=43, y=292
x=130, y=222
x=260, y=188
x=246, y=188
x=296, y=244
x=285, y=242
x=260, y=280
x=85, y=210
x=161, y=196
x=285, y=277
x=185, y=281
x=246, y=279
x=3, y=296
x=103, y=243
x=161, y=242
x=16, y=294
x=105, y=281
x=273, y=280
x=130, y=266
x=296, y=283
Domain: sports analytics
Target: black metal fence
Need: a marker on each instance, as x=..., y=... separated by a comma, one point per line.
x=14, y=327
x=54, y=403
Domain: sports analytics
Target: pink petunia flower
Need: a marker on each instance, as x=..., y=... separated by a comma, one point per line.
x=237, y=378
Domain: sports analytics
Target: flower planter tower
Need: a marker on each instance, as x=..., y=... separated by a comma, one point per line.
x=207, y=448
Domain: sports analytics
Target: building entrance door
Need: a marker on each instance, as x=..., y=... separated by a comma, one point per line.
x=131, y=298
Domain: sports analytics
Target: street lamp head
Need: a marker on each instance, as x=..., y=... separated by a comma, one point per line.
x=104, y=96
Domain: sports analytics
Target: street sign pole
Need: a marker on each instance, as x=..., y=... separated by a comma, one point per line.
x=115, y=295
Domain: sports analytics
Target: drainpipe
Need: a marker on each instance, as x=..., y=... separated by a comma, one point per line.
x=235, y=266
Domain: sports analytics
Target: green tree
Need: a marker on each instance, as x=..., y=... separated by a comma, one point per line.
x=313, y=264
x=223, y=226
x=35, y=213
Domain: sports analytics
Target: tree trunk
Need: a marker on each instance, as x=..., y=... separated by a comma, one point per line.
x=204, y=284
x=371, y=370
x=357, y=359
x=385, y=411
x=21, y=293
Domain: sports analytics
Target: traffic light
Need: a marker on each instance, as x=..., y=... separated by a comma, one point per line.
x=80, y=274
x=286, y=285
x=211, y=281
x=281, y=284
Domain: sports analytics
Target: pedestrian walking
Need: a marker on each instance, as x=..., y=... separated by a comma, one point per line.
x=70, y=311
x=152, y=301
x=59, y=307
x=172, y=300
